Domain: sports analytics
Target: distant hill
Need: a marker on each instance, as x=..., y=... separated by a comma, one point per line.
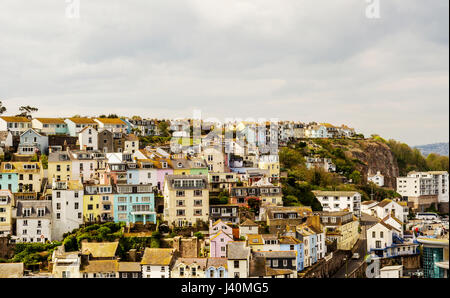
x=439, y=148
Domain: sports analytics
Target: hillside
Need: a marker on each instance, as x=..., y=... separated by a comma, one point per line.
x=437, y=148
x=355, y=160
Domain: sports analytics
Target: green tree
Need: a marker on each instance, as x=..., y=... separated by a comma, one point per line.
x=26, y=111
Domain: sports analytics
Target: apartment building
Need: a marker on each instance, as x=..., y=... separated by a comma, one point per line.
x=186, y=199
x=422, y=189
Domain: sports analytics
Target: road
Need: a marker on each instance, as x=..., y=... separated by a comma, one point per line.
x=352, y=264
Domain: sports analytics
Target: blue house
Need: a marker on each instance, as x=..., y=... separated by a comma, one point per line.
x=216, y=268
x=9, y=180
x=32, y=142
x=134, y=203
x=288, y=243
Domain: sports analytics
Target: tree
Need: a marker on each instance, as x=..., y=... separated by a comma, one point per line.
x=163, y=127
x=2, y=108
x=356, y=177
x=26, y=111
x=44, y=160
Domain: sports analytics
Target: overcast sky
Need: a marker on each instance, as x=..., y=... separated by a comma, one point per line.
x=305, y=60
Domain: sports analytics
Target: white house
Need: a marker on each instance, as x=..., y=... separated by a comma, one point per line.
x=33, y=221
x=248, y=227
x=238, y=258
x=389, y=207
x=67, y=207
x=112, y=124
x=156, y=262
x=215, y=159
x=88, y=138
x=378, y=179
x=385, y=241
x=17, y=125
x=339, y=201
x=76, y=124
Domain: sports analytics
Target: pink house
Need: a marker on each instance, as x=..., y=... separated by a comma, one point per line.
x=220, y=235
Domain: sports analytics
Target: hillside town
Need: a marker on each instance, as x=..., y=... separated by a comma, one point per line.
x=118, y=197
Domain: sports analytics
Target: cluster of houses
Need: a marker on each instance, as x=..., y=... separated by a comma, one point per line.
x=95, y=171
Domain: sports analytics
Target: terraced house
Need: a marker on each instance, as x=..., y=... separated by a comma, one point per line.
x=134, y=203
x=50, y=126
x=98, y=203
x=29, y=175
x=16, y=125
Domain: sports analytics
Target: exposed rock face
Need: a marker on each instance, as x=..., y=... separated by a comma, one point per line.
x=374, y=156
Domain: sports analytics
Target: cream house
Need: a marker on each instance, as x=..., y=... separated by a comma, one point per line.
x=186, y=199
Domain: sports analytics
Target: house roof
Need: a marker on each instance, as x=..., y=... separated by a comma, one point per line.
x=131, y=137
x=111, y=121
x=248, y=223
x=276, y=254
x=100, y=266
x=255, y=239
x=289, y=240
x=99, y=249
x=129, y=267
x=80, y=120
x=237, y=250
x=201, y=262
x=15, y=119
x=157, y=256
x=221, y=232
x=383, y=203
x=394, y=218
x=321, y=193
x=51, y=120
x=11, y=270
x=388, y=226
x=217, y=262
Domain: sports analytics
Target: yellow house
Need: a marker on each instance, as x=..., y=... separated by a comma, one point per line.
x=341, y=226
x=270, y=163
x=29, y=175
x=98, y=203
x=59, y=167
x=6, y=203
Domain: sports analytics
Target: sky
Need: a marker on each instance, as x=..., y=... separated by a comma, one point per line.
x=302, y=60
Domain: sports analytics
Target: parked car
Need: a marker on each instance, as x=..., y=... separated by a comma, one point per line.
x=355, y=256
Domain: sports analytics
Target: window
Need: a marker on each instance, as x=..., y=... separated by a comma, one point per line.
x=275, y=263
x=373, y=234
x=236, y=264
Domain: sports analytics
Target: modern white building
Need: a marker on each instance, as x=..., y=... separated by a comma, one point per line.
x=378, y=179
x=67, y=207
x=339, y=201
x=416, y=184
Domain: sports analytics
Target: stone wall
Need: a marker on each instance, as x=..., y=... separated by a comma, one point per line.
x=6, y=248
x=327, y=268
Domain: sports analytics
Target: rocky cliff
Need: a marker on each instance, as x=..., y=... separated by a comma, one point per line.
x=372, y=156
